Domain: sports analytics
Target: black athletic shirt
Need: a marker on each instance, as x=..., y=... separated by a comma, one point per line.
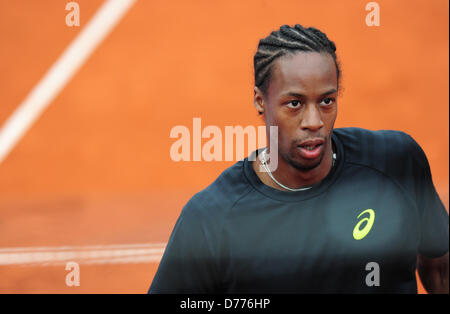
x=241, y=236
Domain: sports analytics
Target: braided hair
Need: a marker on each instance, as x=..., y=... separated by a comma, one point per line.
x=289, y=40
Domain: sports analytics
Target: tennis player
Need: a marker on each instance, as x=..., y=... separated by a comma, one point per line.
x=346, y=210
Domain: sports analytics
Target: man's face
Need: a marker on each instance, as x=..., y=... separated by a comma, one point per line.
x=301, y=101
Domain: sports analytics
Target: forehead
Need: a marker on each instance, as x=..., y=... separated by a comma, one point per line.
x=305, y=72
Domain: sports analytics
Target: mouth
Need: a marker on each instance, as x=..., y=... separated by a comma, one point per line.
x=311, y=149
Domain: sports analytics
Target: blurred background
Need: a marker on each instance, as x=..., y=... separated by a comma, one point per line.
x=91, y=179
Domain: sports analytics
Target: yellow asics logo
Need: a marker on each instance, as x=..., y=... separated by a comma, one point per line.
x=359, y=234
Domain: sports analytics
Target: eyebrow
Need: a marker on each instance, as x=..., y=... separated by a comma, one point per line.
x=332, y=91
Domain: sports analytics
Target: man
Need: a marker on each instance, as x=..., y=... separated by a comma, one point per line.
x=345, y=211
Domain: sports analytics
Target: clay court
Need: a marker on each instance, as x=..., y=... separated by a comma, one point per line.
x=92, y=180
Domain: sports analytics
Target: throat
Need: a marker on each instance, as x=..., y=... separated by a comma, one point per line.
x=289, y=178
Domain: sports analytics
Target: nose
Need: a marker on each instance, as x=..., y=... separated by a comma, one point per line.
x=311, y=118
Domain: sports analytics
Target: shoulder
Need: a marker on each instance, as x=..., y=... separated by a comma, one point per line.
x=394, y=154
x=358, y=138
x=221, y=195
x=381, y=148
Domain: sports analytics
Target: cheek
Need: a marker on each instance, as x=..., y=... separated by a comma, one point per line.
x=287, y=131
x=286, y=126
x=330, y=119
x=272, y=115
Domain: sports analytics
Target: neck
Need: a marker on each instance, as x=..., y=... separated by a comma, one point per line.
x=294, y=178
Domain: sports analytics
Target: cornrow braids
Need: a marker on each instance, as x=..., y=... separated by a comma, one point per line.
x=289, y=40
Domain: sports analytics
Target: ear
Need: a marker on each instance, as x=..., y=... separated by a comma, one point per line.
x=258, y=100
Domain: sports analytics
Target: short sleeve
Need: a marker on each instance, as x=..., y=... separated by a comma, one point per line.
x=188, y=264
x=433, y=215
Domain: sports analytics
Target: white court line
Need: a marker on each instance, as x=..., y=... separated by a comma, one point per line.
x=77, y=248
x=98, y=254
x=61, y=72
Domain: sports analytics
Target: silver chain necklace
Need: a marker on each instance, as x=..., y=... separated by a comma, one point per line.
x=264, y=163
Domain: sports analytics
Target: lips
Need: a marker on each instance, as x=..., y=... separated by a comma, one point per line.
x=312, y=142
x=311, y=149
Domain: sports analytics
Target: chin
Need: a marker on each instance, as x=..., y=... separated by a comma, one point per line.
x=303, y=166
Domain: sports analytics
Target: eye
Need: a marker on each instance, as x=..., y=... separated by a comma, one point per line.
x=327, y=102
x=294, y=104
